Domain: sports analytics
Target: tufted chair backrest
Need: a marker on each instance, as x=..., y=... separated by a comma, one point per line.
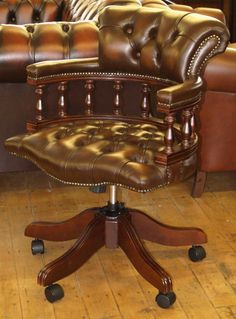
x=159, y=42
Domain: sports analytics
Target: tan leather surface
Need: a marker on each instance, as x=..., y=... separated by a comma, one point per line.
x=220, y=72
x=158, y=41
x=24, y=45
x=101, y=152
x=90, y=9
x=162, y=43
x=34, y=11
x=212, y=12
x=217, y=151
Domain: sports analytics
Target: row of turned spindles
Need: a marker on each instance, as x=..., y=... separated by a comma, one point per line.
x=188, y=118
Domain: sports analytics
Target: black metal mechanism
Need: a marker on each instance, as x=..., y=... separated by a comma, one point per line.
x=113, y=210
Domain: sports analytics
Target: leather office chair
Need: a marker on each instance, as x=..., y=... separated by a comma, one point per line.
x=154, y=48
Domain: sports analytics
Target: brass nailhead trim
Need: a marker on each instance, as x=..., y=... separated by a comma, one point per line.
x=111, y=74
x=207, y=57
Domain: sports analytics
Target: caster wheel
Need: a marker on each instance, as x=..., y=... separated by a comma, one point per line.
x=196, y=253
x=98, y=189
x=54, y=292
x=165, y=300
x=37, y=246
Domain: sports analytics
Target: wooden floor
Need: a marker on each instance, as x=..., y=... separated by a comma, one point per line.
x=107, y=286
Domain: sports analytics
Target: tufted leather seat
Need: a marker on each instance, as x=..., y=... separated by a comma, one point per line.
x=96, y=152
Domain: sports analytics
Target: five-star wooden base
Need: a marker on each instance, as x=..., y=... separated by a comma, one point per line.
x=93, y=228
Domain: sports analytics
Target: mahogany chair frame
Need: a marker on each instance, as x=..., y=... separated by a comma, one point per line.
x=114, y=225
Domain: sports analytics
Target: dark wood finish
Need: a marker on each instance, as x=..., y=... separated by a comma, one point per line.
x=111, y=233
x=62, y=106
x=39, y=103
x=89, y=87
x=165, y=234
x=184, y=139
x=117, y=99
x=91, y=239
x=202, y=3
x=66, y=230
x=145, y=105
x=186, y=127
x=131, y=244
x=93, y=229
x=232, y=21
x=199, y=184
x=169, y=135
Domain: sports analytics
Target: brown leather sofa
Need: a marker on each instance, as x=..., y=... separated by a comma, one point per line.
x=217, y=150
x=32, y=42
x=33, y=31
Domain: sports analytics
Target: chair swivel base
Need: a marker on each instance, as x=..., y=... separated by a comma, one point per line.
x=113, y=226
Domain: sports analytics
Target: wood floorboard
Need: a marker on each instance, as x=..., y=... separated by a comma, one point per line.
x=108, y=286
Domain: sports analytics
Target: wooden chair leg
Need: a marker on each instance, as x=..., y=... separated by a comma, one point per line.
x=62, y=231
x=131, y=244
x=152, y=230
x=91, y=239
x=199, y=184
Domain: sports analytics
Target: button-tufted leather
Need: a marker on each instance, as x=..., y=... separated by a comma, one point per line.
x=30, y=11
x=24, y=45
x=28, y=43
x=157, y=42
x=89, y=152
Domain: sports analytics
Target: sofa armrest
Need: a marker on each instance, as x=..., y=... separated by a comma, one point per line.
x=220, y=72
x=24, y=45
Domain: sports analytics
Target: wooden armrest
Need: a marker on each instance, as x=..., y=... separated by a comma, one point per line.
x=63, y=70
x=179, y=96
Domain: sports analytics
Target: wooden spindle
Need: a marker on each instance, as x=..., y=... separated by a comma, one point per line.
x=39, y=104
x=89, y=87
x=169, y=135
x=186, y=127
x=62, y=107
x=117, y=98
x=193, y=121
x=145, y=105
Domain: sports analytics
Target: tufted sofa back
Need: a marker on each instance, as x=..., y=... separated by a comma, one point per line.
x=34, y=11
x=30, y=11
x=157, y=41
x=90, y=9
x=25, y=44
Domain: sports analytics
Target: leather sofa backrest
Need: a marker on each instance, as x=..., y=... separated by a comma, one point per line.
x=22, y=45
x=158, y=41
x=81, y=10
x=34, y=11
x=22, y=12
